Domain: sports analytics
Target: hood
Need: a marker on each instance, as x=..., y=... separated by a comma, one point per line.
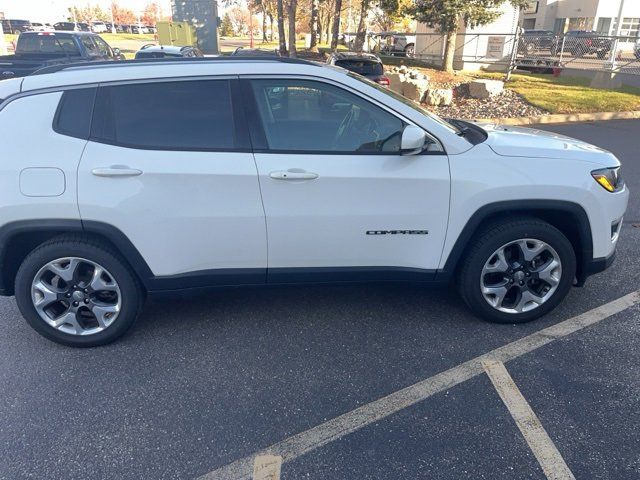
x=533, y=143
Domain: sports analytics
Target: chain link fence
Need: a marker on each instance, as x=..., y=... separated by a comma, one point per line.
x=534, y=50
x=579, y=50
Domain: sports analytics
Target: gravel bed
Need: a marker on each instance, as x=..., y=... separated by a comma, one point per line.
x=506, y=105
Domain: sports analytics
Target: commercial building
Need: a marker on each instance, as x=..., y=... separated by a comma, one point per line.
x=598, y=15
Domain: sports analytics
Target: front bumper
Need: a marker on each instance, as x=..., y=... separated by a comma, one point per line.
x=593, y=266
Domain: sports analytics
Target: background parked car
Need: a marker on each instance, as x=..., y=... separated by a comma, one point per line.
x=581, y=42
x=16, y=27
x=138, y=29
x=65, y=26
x=167, y=51
x=365, y=64
x=83, y=27
x=36, y=50
x=41, y=27
x=532, y=41
x=98, y=27
x=393, y=43
x=256, y=52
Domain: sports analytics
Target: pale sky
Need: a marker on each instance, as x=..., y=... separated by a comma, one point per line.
x=55, y=10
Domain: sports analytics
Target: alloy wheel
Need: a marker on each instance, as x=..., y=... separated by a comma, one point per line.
x=521, y=275
x=76, y=296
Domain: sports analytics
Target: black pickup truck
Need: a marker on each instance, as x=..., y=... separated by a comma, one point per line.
x=579, y=43
x=36, y=50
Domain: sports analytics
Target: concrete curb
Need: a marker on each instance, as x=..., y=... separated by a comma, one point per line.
x=562, y=118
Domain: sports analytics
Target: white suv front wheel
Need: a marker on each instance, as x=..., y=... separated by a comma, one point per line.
x=517, y=271
x=77, y=292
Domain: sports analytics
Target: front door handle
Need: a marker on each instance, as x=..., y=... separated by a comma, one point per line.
x=116, y=171
x=293, y=174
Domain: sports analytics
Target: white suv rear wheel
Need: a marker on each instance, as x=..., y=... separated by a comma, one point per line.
x=78, y=292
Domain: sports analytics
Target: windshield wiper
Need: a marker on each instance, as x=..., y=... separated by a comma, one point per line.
x=462, y=131
x=460, y=126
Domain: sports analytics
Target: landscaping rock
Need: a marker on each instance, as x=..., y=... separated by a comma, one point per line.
x=439, y=96
x=395, y=82
x=415, y=89
x=507, y=105
x=414, y=74
x=485, y=88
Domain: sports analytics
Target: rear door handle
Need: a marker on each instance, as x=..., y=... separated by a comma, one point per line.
x=293, y=175
x=116, y=171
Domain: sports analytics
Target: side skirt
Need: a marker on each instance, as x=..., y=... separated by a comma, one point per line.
x=215, y=279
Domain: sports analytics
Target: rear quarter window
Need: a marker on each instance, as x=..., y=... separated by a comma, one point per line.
x=74, y=114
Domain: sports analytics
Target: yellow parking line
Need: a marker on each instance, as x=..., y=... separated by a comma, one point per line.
x=304, y=442
x=540, y=443
x=267, y=467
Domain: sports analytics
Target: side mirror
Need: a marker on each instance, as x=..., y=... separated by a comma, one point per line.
x=116, y=52
x=413, y=140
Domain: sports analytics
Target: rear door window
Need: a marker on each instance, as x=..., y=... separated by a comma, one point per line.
x=103, y=47
x=179, y=115
x=90, y=46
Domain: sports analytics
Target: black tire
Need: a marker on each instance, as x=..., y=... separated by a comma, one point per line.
x=410, y=51
x=492, y=238
x=132, y=294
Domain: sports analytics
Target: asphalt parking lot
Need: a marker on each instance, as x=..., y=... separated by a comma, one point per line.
x=201, y=383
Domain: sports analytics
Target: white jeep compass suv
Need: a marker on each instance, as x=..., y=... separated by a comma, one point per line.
x=123, y=180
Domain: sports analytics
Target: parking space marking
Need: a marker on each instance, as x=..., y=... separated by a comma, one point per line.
x=267, y=467
x=541, y=445
x=331, y=430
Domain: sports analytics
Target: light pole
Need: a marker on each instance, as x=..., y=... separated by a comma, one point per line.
x=250, y=28
x=113, y=24
x=3, y=44
x=614, y=44
x=75, y=19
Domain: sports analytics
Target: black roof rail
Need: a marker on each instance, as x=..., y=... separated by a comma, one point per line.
x=156, y=61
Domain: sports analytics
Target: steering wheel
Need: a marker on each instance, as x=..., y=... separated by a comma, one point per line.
x=357, y=129
x=345, y=126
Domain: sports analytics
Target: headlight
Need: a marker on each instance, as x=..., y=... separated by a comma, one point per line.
x=609, y=178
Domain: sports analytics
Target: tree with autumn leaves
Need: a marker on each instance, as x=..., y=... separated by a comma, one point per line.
x=325, y=19
x=121, y=15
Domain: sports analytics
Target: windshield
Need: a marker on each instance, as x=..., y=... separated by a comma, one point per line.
x=408, y=103
x=363, y=67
